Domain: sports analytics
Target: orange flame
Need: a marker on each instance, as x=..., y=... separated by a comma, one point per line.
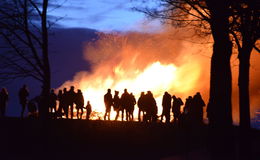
x=139, y=62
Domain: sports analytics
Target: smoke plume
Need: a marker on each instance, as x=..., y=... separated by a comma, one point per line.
x=168, y=60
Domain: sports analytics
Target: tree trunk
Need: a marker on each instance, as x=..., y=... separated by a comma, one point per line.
x=243, y=83
x=244, y=99
x=47, y=76
x=248, y=36
x=219, y=107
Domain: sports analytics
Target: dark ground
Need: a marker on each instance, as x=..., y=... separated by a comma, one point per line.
x=81, y=139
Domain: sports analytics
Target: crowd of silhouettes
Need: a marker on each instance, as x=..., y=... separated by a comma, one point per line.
x=192, y=112
x=62, y=105
x=68, y=99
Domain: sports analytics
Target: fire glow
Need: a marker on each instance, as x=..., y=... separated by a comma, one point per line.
x=139, y=64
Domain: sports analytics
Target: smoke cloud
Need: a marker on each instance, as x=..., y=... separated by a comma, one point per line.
x=168, y=60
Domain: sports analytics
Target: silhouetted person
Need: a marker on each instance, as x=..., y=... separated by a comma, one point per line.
x=60, y=108
x=125, y=102
x=131, y=107
x=116, y=104
x=151, y=107
x=79, y=101
x=108, y=100
x=147, y=107
x=210, y=115
x=166, y=104
x=141, y=106
x=88, y=110
x=32, y=107
x=64, y=102
x=185, y=117
x=23, y=94
x=53, y=103
x=176, y=107
x=187, y=106
x=197, y=108
x=71, y=100
x=121, y=109
x=3, y=101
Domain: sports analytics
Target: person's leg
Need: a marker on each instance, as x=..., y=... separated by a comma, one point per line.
x=167, y=116
x=23, y=109
x=1, y=111
x=122, y=114
x=81, y=112
x=127, y=115
x=105, y=115
x=66, y=110
x=117, y=114
x=108, y=115
x=139, y=115
x=77, y=113
x=71, y=111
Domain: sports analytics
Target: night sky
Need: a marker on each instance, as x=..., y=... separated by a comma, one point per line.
x=102, y=15
x=78, y=22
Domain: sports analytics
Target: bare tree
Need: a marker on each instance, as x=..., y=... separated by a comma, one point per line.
x=236, y=21
x=206, y=17
x=243, y=27
x=24, y=37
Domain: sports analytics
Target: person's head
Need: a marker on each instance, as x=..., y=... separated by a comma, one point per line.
x=72, y=88
x=125, y=90
x=88, y=102
x=64, y=90
x=52, y=90
x=79, y=91
x=174, y=97
x=4, y=90
x=116, y=92
x=149, y=93
x=60, y=91
x=108, y=90
x=142, y=93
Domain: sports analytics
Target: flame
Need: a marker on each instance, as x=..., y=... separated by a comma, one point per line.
x=156, y=77
x=138, y=62
x=159, y=62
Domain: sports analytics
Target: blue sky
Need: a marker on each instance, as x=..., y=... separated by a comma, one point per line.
x=103, y=15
